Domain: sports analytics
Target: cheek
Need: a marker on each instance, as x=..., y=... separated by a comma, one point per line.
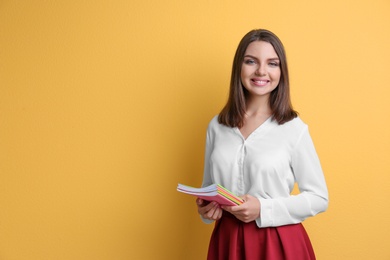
x=245, y=74
x=242, y=73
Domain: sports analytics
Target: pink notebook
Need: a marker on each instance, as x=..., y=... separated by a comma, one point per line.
x=214, y=192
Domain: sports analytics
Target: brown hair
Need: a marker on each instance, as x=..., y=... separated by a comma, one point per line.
x=233, y=113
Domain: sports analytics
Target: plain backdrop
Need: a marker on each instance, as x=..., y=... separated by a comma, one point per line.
x=104, y=107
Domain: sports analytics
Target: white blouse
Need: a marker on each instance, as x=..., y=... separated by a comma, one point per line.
x=266, y=165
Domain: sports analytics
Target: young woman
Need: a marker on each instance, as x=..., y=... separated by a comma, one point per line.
x=258, y=147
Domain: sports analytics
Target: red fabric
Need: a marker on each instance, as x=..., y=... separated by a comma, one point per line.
x=236, y=240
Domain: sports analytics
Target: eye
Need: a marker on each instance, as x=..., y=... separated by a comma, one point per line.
x=274, y=64
x=249, y=61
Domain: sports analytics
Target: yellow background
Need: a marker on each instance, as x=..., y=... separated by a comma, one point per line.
x=104, y=107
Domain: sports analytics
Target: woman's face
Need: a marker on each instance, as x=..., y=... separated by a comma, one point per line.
x=260, y=71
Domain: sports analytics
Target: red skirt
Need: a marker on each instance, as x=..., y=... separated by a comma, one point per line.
x=233, y=239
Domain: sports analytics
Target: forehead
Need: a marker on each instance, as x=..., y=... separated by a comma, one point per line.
x=261, y=48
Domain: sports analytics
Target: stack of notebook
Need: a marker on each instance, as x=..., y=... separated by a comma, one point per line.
x=214, y=192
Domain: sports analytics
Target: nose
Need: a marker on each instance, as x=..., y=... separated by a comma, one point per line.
x=260, y=71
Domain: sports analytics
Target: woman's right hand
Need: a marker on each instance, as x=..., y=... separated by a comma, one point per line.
x=209, y=210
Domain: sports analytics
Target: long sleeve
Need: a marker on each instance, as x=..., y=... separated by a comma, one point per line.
x=313, y=196
x=207, y=180
x=208, y=149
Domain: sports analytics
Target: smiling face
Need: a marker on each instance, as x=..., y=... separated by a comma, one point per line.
x=260, y=71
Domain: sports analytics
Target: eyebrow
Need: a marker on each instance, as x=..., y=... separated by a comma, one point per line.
x=253, y=57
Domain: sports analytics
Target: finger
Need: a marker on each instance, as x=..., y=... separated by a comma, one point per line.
x=206, y=207
x=211, y=205
x=220, y=214
x=233, y=209
x=216, y=213
x=210, y=213
x=227, y=208
x=203, y=209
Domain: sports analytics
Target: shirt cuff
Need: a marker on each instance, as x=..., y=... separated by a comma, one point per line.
x=266, y=208
x=207, y=221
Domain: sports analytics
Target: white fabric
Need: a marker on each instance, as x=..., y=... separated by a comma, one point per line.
x=266, y=165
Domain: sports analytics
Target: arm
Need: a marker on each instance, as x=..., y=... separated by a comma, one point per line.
x=313, y=197
x=208, y=211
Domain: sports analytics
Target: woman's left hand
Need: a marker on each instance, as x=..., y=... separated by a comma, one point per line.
x=247, y=211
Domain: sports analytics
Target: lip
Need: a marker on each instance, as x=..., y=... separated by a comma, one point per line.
x=260, y=82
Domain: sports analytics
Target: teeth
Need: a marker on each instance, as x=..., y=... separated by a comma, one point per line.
x=261, y=81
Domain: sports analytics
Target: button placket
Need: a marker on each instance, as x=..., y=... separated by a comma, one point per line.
x=242, y=153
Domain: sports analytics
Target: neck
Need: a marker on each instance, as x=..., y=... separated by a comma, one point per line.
x=258, y=107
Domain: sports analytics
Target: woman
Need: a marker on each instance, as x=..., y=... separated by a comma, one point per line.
x=258, y=147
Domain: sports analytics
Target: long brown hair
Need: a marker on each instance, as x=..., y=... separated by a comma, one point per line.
x=233, y=113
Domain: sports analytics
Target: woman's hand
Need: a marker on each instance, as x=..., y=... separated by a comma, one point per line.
x=209, y=210
x=247, y=211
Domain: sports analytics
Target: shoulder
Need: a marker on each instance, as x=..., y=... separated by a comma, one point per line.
x=214, y=121
x=296, y=123
x=214, y=124
x=294, y=128
x=214, y=127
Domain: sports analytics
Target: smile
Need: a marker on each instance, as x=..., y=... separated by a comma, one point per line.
x=260, y=82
